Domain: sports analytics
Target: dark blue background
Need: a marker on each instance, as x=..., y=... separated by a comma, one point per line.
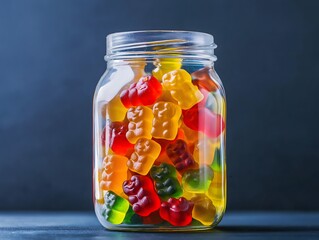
x=51, y=57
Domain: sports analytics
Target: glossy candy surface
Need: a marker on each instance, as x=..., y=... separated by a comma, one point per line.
x=202, y=119
x=177, y=212
x=179, y=153
x=197, y=180
x=144, y=155
x=179, y=83
x=140, y=123
x=115, y=208
x=117, y=138
x=114, y=173
x=165, y=179
x=165, y=65
x=204, y=210
x=166, y=120
x=141, y=195
x=144, y=92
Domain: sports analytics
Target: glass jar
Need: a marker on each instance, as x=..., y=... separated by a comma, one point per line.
x=159, y=133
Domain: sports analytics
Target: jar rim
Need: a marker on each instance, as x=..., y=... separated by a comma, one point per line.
x=162, y=43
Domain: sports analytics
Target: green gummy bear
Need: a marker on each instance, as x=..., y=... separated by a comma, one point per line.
x=216, y=165
x=197, y=180
x=132, y=218
x=166, y=183
x=115, y=208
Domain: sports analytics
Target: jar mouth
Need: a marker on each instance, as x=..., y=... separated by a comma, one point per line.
x=160, y=44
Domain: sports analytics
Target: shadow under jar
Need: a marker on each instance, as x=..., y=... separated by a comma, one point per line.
x=159, y=133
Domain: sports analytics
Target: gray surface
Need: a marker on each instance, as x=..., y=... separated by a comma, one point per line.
x=254, y=225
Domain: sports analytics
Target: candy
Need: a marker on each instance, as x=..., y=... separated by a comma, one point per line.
x=165, y=65
x=142, y=159
x=217, y=164
x=114, y=173
x=204, y=210
x=116, y=110
x=140, y=123
x=203, y=78
x=203, y=120
x=197, y=180
x=141, y=194
x=166, y=183
x=216, y=191
x=177, y=212
x=117, y=138
x=204, y=151
x=181, y=157
x=179, y=83
x=144, y=92
x=115, y=208
x=165, y=122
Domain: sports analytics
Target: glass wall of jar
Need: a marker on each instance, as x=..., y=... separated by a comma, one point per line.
x=159, y=124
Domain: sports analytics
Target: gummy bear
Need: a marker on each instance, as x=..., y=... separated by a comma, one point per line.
x=197, y=180
x=140, y=123
x=204, y=210
x=165, y=122
x=141, y=194
x=114, y=173
x=144, y=92
x=177, y=212
x=181, y=157
x=179, y=83
x=216, y=191
x=142, y=159
x=203, y=78
x=203, y=120
x=166, y=183
x=115, y=208
x=165, y=65
x=217, y=164
x=117, y=138
x=204, y=151
x=116, y=110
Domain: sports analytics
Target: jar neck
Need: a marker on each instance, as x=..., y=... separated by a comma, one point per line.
x=160, y=46
x=159, y=62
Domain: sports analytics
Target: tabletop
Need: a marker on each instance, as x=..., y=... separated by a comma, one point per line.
x=84, y=225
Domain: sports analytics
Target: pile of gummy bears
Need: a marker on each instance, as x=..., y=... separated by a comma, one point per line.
x=163, y=159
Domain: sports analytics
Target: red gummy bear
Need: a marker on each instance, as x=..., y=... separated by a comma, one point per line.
x=203, y=78
x=202, y=119
x=141, y=194
x=118, y=142
x=179, y=153
x=144, y=92
x=177, y=212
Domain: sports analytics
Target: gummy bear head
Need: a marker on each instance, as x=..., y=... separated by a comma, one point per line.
x=132, y=186
x=109, y=199
x=162, y=172
x=143, y=146
x=179, y=147
x=135, y=113
x=164, y=110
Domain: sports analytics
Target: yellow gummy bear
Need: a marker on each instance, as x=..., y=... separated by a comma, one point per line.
x=204, y=210
x=204, y=151
x=116, y=110
x=114, y=173
x=140, y=123
x=145, y=153
x=166, y=120
x=165, y=65
x=179, y=83
x=217, y=192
